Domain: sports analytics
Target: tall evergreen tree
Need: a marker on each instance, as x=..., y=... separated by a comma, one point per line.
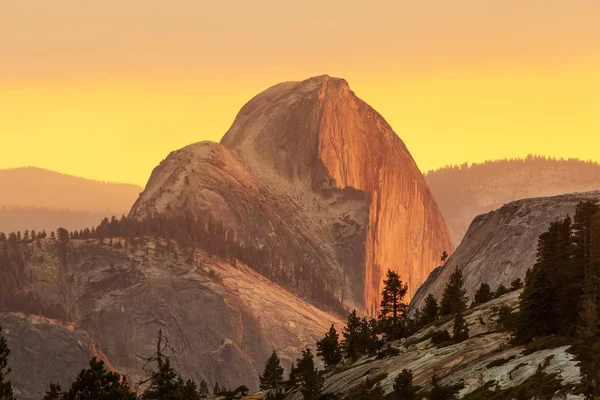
x=164, y=383
x=587, y=348
x=460, y=329
x=216, y=389
x=54, y=392
x=430, y=310
x=403, y=386
x=293, y=376
x=312, y=382
x=96, y=383
x=393, y=307
x=329, y=348
x=189, y=390
x=203, y=389
x=272, y=376
x=538, y=314
x=483, y=294
x=440, y=392
x=6, y=390
x=454, y=295
x=351, y=344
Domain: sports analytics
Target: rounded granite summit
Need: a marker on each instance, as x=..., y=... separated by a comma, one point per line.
x=316, y=175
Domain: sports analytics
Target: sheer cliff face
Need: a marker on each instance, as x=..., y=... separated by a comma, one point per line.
x=305, y=137
x=501, y=245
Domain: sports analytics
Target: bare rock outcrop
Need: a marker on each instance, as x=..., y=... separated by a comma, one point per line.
x=223, y=320
x=316, y=175
x=501, y=245
x=486, y=357
x=43, y=350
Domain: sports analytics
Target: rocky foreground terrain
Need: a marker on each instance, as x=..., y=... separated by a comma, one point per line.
x=317, y=177
x=501, y=245
x=486, y=357
x=222, y=320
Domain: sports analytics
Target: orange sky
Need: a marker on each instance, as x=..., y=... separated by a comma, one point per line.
x=107, y=88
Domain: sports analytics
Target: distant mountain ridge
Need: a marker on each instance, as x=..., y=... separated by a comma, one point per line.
x=466, y=191
x=37, y=198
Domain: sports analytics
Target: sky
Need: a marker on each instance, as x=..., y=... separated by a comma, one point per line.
x=105, y=89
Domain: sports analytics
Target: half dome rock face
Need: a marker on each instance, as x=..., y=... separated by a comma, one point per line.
x=305, y=137
x=316, y=176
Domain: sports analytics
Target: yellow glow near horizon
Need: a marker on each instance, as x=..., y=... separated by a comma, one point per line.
x=107, y=89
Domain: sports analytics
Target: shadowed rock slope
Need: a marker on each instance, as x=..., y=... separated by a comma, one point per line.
x=501, y=245
x=312, y=173
x=223, y=320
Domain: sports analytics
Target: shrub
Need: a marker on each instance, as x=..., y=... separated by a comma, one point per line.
x=499, y=362
x=546, y=343
x=439, y=337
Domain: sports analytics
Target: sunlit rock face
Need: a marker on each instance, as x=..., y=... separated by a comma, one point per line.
x=501, y=245
x=307, y=141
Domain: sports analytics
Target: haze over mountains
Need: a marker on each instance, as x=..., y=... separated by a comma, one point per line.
x=464, y=192
x=36, y=198
x=264, y=240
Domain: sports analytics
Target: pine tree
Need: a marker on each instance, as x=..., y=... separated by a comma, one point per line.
x=430, y=310
x=460, y=329
x=516, y=284
x=216, y=389
x=164, y=383
x=392, y=306
x=368, y=342
x=203, y=389
x=403, y=386
x=54, y=392
x=586, y=252
x=538, y=313
x=312, y=382
x=96, y=383
x=189, y=390
x=454, y=296
x=483, y=294
x=6, y=390
x=329, y=348
x=272, y=376
x=440, y=392
x=444, y=257
x=587, y=346
x=352, y=337
x=293, y=377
